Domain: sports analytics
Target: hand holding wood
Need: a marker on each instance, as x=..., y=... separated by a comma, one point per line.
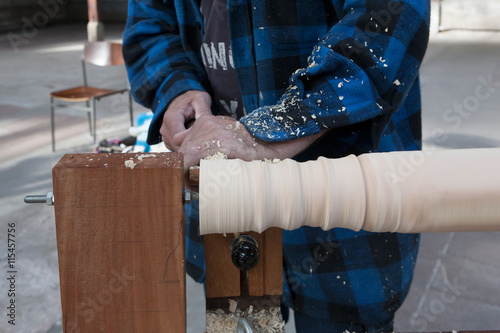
x=219, y=134
x=189, y=106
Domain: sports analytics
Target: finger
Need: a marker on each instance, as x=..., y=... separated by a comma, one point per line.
x=168, y=145
x=201, y=109
x=179, y=137
x=192, y=155
x=173, y=123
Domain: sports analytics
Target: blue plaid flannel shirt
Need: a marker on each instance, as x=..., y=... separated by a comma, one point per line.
x=347, y=65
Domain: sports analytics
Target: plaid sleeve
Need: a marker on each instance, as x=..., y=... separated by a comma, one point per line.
x=160, y=63
x=361, y=70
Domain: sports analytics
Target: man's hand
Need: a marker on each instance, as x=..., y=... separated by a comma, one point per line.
x=212, y=134
x=191, y=105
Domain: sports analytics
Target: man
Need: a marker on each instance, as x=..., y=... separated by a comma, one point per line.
x=308, y=78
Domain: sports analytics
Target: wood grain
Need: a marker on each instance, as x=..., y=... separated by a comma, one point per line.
x=223, y=278
x=273, y=262
x=120, y=239
x=256, y=274
x=266, y=278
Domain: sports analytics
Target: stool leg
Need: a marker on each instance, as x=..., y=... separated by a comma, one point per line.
x=89, y=117
x=130, y=108
x=52, y=127
x=94, y=120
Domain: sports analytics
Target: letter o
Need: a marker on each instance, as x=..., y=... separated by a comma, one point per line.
x=436, y=306
x=105, y=297
x=44, y=19
x=416, y=158
x=471, y=103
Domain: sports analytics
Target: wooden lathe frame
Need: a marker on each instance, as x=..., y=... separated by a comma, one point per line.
x=120, y=240
x=121, y=246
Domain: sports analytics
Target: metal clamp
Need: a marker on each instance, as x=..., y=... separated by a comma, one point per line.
x=40, y=198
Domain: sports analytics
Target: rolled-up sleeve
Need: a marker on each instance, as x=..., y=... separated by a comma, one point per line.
x=360, y=71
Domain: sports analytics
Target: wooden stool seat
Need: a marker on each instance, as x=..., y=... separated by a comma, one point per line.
x=83, y=93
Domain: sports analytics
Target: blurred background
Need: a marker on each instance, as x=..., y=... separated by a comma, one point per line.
x=457, y=279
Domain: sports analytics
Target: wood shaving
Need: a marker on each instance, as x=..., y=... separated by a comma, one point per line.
x=274, y=160
x=130, y=164
x=141, y=157
x=264, y=321
x=236, y=126
x=217, y=156
x=232, y=305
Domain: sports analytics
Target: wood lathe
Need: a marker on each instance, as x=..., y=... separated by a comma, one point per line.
x=120, y=222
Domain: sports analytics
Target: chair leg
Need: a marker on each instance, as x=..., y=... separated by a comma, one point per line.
x=89, y=117
x=94, y=120
x=52, y=127
x=130, y=109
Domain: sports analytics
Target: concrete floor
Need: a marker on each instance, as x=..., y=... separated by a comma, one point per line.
x=463, y=265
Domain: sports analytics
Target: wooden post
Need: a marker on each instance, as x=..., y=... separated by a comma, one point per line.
x=120, y=240
x=95, y=29
x=223, y=278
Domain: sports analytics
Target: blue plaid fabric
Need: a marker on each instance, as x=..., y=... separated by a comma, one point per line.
x=304, y=65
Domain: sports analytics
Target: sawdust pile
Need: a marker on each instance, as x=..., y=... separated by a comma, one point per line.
x=263, y=321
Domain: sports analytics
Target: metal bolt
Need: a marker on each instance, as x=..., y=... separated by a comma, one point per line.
x=40, y=198
x=190, y=196
x=187, y=196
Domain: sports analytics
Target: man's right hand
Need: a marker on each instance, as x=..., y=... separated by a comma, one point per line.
x=191, y=105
